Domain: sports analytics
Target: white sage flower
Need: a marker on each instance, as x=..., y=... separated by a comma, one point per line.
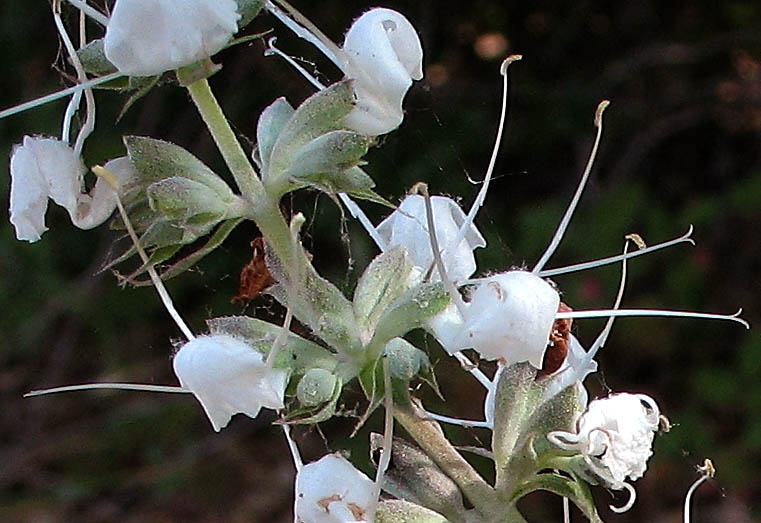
x=228, y=377
x=509, y=317
x=615, y=437
x=148, y=37
x=43, y=168
x=382, y=54
x=407, y=227
x=331, y=490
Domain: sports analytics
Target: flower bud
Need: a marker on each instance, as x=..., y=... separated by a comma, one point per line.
x=148, y=37
x=316, y=387
x=227, y=376
x=331, y=490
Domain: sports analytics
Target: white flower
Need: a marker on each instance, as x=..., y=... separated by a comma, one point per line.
x=43, y=168
x=148, y=37
x=331, y=490
x=510, y=317
x=382, y=54
x=407, y=227
x=615, y=437
x=228, y=377
x=574, y=370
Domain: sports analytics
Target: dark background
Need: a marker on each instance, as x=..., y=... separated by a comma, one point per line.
x=681, y=146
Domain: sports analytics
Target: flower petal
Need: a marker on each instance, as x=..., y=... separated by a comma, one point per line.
x=228, y=377
x=148, y=37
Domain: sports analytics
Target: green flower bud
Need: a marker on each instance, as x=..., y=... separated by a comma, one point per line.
x=315, y=387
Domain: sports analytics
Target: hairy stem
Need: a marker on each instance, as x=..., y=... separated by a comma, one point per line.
x=428, y=434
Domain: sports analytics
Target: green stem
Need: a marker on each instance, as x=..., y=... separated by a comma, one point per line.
x=264, y=211
x=232, y=152
x=428, y=434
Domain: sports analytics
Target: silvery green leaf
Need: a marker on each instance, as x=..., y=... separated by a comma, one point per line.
x=296, y=353
x=248, y=9
x=320, y=113
x=94, y=60
x=269, y=127
x=316, y=303
x=156, y=160
x=178, y=198
x=353, y=181
x=415, y=478
x=329, y=155
x=410, y=311
x=388, y=276
x=399, y=511
x=572, y=488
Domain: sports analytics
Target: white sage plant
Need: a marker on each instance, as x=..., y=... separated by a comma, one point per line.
x=545, y=434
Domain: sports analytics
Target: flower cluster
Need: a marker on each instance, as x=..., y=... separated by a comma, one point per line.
x=426, y=276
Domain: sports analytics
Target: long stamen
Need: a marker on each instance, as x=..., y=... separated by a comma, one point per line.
x=272, y=50
x=629, y=504
x=303, y=28
x=603, y=337
x=90, y=11
x=100, y=386
x=457, y=421
x=388, y=434
x=37, y=102
x=479, y=201
x=577, y=196
x=453, y=292
x=359, y=215
x=652, y=312
x=685, y=238
x=707, y=472
x=295, y=454
x=89, y=125
x=166, y=299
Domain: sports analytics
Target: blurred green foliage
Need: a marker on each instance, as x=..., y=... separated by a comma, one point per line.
x=682, y=145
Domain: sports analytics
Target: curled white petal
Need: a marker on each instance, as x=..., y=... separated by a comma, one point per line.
x=510, y=317
x=407, y=227
x=148, y=37
x=43, y=168
x=383, y=55
x=331, y=490
x=228, y=377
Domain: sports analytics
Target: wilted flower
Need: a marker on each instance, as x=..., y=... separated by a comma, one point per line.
x=407, y=227
x=331, y=490
x=615, y=437
x=509, y=317
x=43, y=168
x=148, y=37
x=228, y=377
